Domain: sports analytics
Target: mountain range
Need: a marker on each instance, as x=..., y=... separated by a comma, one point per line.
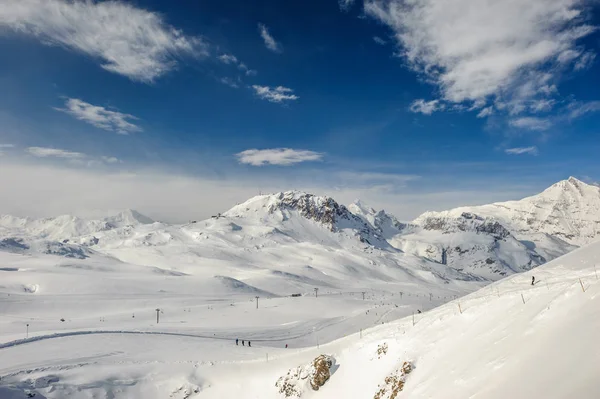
x=299, y=240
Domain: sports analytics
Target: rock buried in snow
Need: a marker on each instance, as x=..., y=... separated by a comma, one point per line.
x=394, y=383
x=298, y=379
x=321, y=366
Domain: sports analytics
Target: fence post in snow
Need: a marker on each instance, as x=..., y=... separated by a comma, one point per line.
x=27, y=331
x=523, y=298
x=459, y=308
x=582, y=288
x=413, y=317
x=157, y=313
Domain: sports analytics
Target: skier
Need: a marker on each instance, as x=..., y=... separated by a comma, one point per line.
x=237, y=341
x=249, y=343
x=285, y=346
x=243, y=343
x=532, y=280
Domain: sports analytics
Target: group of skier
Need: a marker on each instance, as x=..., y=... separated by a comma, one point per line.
x=237, y=342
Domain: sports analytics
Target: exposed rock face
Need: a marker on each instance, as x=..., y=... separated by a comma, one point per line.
x=465, y=222
x=313, y=375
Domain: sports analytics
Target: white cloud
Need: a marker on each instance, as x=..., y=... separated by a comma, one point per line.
x=110, y=160
x=7, y=146
x=228, y=59
x=130, y=41
x=485, y=50
x=485, y=112
x=269, y=40
x=345, y=4
x=229, y=82
x=100, y=117
x=72, y=157
x=277, y=156
x=426, y=107
x=379, y=41
x=277, y=94
x=522, y=150
x=578, y=109
x=231, y=59
x=585, y=61
x=531, y=123
x=44, y=152
x=542, y=105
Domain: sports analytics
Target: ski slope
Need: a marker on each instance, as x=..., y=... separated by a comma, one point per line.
x=509, y=339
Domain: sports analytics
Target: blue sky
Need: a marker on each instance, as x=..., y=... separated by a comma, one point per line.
x=408, y=107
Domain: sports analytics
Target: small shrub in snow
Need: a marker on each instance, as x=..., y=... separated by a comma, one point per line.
x=394, y=383
x=382, y=350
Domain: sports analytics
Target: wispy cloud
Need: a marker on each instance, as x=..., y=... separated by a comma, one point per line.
x=485, y=112
x=522, y=150
x=379, y=41
x=229, y=82
x=228, y=59
x=578, y=109
x=231, y=59
x=345, y=4
x=585, y=61
x=7, y=146
x=277, y=94
x=531, y=123
x=277, y=156
x=75, y=158
x=130, y=41
x=100, y=117
x=269, y=40
x=110, y=159
x=498, y=53
x=246, y=70
x=44, y=152
x=426, y=107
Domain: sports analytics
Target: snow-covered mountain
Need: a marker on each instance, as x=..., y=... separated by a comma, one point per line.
x=289, y=231
x=508, y=237
x=568, y=210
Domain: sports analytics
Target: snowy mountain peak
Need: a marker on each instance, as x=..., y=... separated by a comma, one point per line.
x=128, y=217
x=360, y=208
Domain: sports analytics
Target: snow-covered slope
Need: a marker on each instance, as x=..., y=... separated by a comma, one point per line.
x=508, y=340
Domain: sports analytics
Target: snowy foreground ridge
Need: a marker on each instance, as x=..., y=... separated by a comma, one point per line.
x=125, y=307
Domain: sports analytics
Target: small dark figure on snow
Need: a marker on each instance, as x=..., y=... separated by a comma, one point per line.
x=285, y=346
x=237, y=341
x=418, y=311
x=249, y=343
x=243, y=343
x=532, y=280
